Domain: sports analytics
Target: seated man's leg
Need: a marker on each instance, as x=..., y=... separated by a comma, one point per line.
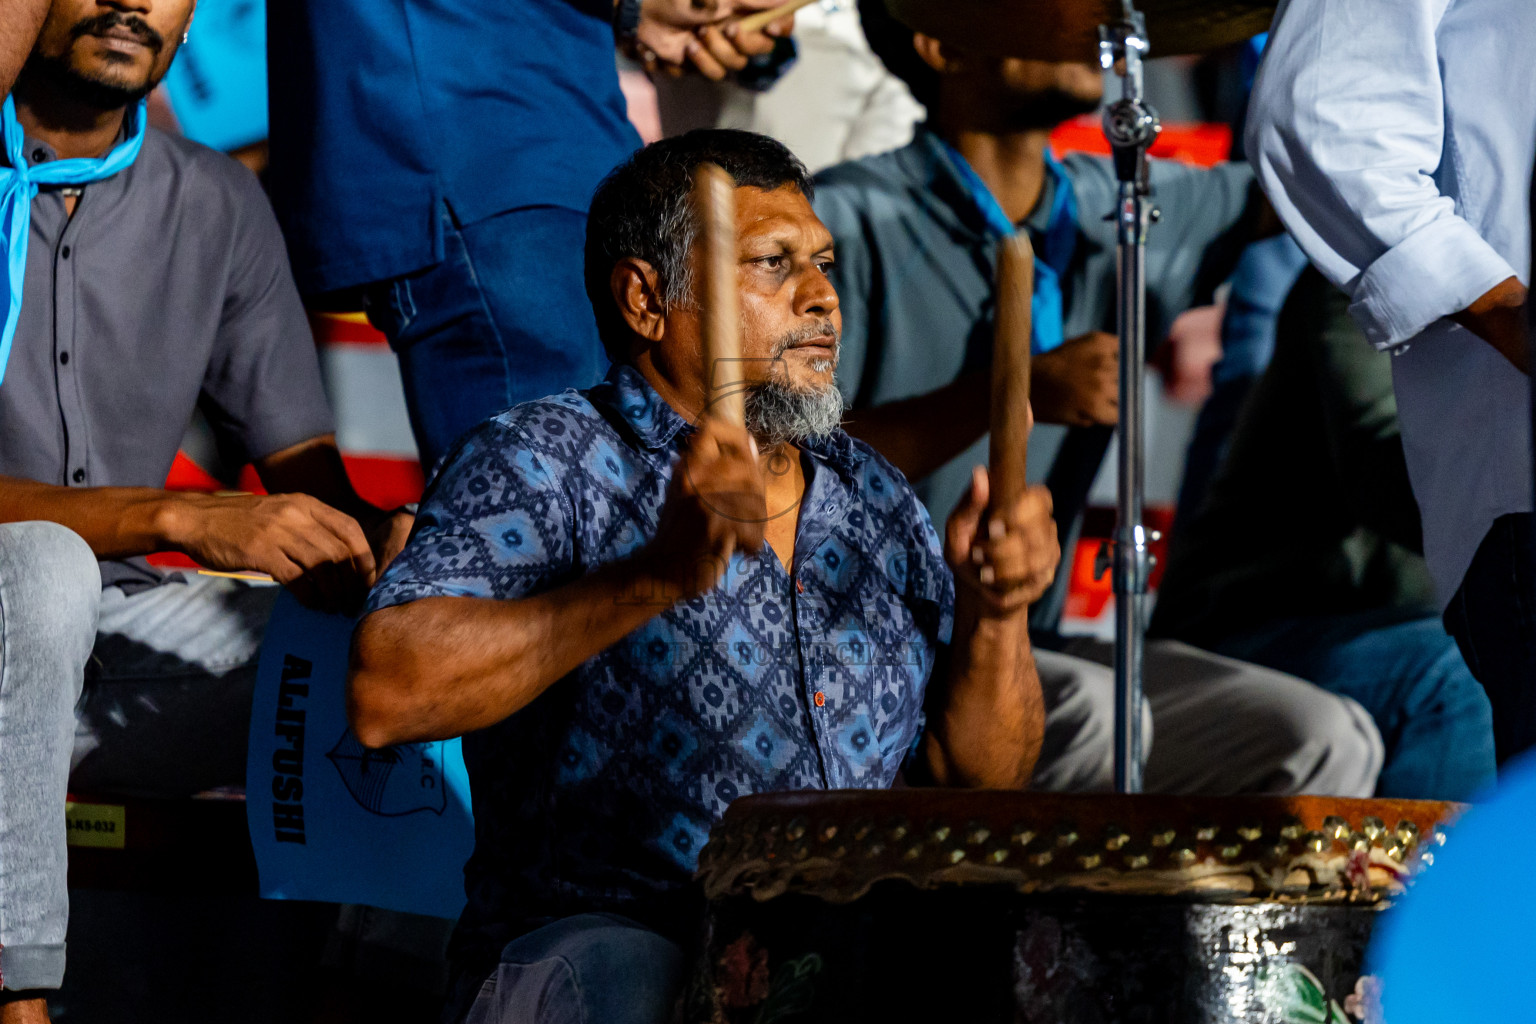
x=49, y=588
x=591, y=967
x=1433, y=716
x=1225, y=726
x=1493, y=618
x=167, y=707
x=1078, y=752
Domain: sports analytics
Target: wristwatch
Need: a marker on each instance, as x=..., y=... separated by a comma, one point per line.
x=626, y=21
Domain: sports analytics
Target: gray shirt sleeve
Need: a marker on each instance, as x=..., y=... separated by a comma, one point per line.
x=262, y=391
x=1207, y=219
x=853, y=275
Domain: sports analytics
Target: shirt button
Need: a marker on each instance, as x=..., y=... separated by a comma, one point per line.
x=65, y=253
x=63, y=358
x=79, y=476
x=830, y=506
x=821, y=698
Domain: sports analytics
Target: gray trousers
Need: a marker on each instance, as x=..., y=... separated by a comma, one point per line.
x=102, y=690
x=1210, y=725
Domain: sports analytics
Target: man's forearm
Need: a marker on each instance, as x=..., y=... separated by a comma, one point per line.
x=443, y=666
x=920, y=434
x=117, y=522
x=20, y=21
x=991, y=720
x=315, y=468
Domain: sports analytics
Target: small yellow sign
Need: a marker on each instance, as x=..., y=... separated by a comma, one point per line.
x=96, y=825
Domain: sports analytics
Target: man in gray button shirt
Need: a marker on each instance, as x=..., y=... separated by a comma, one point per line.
x=151, y=292
x=916, y=235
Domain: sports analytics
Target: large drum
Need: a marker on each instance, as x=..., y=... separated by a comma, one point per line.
x=975, y=907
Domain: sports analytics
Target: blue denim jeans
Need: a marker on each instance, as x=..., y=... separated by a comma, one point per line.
x=1493, y=618
x=1434, y=718
x=585, y=969
x=503, y=319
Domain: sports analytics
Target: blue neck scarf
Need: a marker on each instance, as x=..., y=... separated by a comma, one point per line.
x=18, y=186
x=1053, y=254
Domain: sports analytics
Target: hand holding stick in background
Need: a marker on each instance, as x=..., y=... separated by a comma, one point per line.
x=1002, y=540
x=714, y=39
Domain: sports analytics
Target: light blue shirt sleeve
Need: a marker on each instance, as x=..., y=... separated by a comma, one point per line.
x=1347, y=131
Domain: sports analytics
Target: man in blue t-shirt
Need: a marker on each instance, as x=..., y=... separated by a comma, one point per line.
x=434, y=161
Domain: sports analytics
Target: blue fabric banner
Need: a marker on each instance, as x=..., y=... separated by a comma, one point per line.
x=329, y=819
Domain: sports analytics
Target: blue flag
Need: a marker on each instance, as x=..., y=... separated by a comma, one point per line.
x=331, y=820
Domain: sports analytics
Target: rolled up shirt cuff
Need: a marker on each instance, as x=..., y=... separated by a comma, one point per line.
x=1440, y=269
x=31, y=967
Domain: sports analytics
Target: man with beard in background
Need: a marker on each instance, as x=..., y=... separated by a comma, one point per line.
x=146, y=277
x=637, y=613
x=917, y=232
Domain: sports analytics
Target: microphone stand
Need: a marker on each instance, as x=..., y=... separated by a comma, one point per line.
x=1131, y=126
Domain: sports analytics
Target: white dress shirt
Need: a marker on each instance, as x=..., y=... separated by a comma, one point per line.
x=1396, y=140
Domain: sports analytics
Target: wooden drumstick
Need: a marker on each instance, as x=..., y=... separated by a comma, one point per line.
x=1010, y=369
x=762, y=19
x=714, y=201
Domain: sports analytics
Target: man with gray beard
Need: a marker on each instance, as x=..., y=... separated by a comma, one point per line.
x=635, y=612
x=780, y=414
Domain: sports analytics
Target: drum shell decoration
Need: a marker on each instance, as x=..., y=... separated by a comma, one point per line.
x=989, y=906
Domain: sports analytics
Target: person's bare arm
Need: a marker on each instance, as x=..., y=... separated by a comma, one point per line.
x=989, y=720
x=1499, y=318
x=295, y=538
x=1075, y=384
x=20, y=21
x=314, y=467
x=439, y=667
x=309, y=534
x=918, y=435
x=443, y=666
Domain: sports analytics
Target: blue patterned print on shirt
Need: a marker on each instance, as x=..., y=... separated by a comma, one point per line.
x=599, y=794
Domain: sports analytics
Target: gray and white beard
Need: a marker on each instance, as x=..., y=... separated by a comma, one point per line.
x=780, y=414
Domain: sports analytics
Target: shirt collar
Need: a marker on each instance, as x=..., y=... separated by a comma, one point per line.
x=946, y=181
x=37, y=151
x=626, y=393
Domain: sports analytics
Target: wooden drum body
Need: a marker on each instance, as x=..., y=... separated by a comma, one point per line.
x=977, y=907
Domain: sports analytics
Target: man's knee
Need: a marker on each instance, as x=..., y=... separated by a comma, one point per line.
x=1078, y=753
x=50, y=595
x=1335, y=748
x=588, y=967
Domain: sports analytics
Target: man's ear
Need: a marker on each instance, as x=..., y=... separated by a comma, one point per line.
x=942, y=57
x=636, y=289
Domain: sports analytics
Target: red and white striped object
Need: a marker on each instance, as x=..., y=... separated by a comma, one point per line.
x=362, y=381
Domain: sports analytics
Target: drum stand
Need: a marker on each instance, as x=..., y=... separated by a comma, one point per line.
x=1131, y=126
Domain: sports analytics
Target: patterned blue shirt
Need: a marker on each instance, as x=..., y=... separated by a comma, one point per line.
x=599, y=794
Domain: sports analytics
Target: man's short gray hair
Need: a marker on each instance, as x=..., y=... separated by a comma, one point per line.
x=641, y=211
